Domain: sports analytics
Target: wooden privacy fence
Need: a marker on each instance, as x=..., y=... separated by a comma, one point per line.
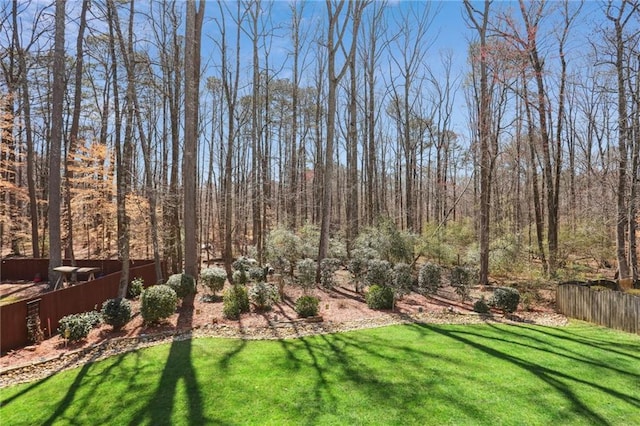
x=52, y=306
x=25, y=269
x=611, y=309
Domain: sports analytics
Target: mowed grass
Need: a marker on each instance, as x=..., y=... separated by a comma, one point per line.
x=410, y=374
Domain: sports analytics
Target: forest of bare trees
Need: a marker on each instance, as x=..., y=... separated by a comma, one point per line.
x=185, y=130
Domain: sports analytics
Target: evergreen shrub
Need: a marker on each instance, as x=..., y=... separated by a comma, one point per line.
x=182, y=284
x=481, y=306
x=135, y=288
x=307, y=306
x=506, y=299
x=213, y=278
x=116, y=312
x=263, y=295
x=328, y=268
x=380, y=297
x=235, y=302
x=306, y=274
x=157, y=303
x=76, y=327
x=429, y=278
x=378, y=272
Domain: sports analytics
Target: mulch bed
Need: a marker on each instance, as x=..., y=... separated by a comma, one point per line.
x=341, y=310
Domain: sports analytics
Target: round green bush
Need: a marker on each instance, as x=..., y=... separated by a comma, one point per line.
x=157, y=303
x=306, y=273
x=307, y=306
x=213, y=278
x=235, y=301
x=378, y=272
x=256, y=274
x=135, y=288
x=263, y=295
x=328, y=268
x=380, y=297
x=77, y=326
x=481, y=307
x=182, y=284
x=506, y=299
x=402, y=279
x=429, y=278
x=116, y=312
x=460, y=279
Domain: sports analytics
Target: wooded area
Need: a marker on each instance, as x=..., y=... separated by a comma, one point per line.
x=152, y=129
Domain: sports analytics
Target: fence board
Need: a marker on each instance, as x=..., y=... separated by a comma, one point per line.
x=54, y=305
x=25, y=269
x=611, y=309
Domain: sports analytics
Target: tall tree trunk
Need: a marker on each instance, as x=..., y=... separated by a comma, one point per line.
x=352, y=195
x=26, y=112
x=484, y=130
x=57, y=101
x=190, y=165
x=73, y=133
x=333, y=46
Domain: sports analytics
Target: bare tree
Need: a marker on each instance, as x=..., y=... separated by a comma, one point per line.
x=193, y=32
x=338, y=23
x=408, y=54
x=230, y=81
x=619, y=16
x=57, y=101
x=479, y=20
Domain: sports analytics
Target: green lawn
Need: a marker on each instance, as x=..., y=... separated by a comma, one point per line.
x=411, y=374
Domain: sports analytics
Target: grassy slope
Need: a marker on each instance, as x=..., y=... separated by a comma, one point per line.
x=414, y=374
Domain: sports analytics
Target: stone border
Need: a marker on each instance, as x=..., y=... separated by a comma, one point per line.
x=275, y=331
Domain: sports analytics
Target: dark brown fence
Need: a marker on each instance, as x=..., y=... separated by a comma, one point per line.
x=54, y=305
x=26, y=269
x=611, y=309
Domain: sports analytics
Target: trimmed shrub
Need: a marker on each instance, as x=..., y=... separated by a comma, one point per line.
x=235, y=302
x=380, y=297
x=244, y=264
x=76, y=327
x=307, y=306
x=429, y=279
x=357, y=265
x=213, y=278
x=460, y=279
x=402, y=279
x=378, y=272
x=135, y=288
x=157, y=303
x=309, y=238
x=283, y=250
x=256, y=274
x=182, y=284
x=481, y=306
x=116, y=312
x=328, y=268
x=306, y=274
x=240, y=277
x=263, y=295
x=506, y=299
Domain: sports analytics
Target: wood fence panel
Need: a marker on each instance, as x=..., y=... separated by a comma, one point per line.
x=26, y=269
x=611, y=309
x=56, y=304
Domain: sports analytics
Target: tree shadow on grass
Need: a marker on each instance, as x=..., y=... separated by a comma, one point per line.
x=69, y=397
x=557, y=379
x=551, y=347
x=178, y=368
